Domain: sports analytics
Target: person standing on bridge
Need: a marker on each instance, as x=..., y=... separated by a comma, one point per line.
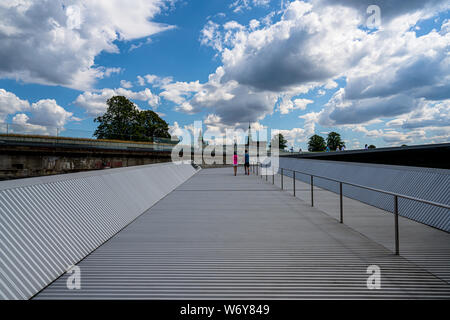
x=247, y=163
x=235, y=163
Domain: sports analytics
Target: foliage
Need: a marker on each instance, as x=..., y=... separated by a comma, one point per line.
x=334, y=140
x=124, y=121
x=282, y=142
x=316, y=143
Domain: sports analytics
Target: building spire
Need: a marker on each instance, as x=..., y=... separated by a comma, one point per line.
x=249, y=141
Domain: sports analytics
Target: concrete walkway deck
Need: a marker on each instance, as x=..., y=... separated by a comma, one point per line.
x=223, y=237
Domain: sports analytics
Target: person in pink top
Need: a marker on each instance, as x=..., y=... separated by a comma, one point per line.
x=235, y=163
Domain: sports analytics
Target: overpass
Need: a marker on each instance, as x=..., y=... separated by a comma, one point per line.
x=211, y=235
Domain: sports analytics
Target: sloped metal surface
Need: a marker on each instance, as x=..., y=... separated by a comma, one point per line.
x=424, y=183
x=48, y=224
x=218, y=236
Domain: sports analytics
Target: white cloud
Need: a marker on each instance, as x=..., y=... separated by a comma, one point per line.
x=21, y=125
x=141, y=81
x=49, y=113
x=178, y=92
x=287, y=105
x=241, y=5
x=294, y=136
x=210, y=36
x=39, y=117
x=11, y=104
x=254, y=24
x=393, y=137
x=232, y=102
x=389, y=73
x=430, y=115
x=303, y=47
x=126, y=84
x=95, y=102
x=157, y=81
x=55, y=43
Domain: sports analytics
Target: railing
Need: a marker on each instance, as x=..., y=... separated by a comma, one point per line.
x=257, y=168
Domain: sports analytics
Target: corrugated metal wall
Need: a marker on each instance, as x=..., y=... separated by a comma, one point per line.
x=424, y=183
x=48, y=224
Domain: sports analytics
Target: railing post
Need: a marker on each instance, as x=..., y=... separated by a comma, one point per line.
x=266, y=174
x=397, y=241
x=293, y=181
x=273, y=177
x=282, y=179
x=312, y=191
x=341, y=202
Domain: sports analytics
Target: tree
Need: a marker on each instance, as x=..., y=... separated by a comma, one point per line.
x=123, y=120
x=151, y=125
x=372, y=147
x=334, y=141
x=282, y=142
x=316, y=143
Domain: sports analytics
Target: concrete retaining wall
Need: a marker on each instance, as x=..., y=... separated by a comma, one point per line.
x=48, y=224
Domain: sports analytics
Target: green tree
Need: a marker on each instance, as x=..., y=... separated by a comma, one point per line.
x=372, y=146
x=316, y=143
x=123, y=120
x=119, y=121
x=334, y=140
x=282, y=142
x=150, y=125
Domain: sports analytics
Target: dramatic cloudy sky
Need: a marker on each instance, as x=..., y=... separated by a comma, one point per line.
x=300, y=67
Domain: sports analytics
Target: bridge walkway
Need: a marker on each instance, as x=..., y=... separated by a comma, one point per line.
x=218, y=236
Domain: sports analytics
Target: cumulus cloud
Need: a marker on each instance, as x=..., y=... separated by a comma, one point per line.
x=232, y=102
x=287, y=105
x=432, y=115
x=11, y=104
x=43, y=116
x=304, y=46
x=340, y=111
x=95, y=102
x=293, y=136
x=242, y=5
x=393, y=137
x=56, y=42
x=389, y=72
x=178, y=92
x=390, y=9
x=399, y=76
x=126, y=84
x=49, y=113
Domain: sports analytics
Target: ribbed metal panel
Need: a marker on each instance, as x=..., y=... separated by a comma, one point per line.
x=218, y=236
x=424, y=183
x=48, y=224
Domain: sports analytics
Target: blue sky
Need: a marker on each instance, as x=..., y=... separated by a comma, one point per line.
x=300, y=67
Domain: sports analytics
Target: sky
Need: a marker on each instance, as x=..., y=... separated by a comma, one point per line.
x=376, y=71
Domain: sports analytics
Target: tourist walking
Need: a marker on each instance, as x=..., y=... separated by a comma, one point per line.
x=247, y=163
x=235, y=163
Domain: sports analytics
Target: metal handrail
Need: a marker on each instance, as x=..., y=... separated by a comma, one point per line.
x=341, y=183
